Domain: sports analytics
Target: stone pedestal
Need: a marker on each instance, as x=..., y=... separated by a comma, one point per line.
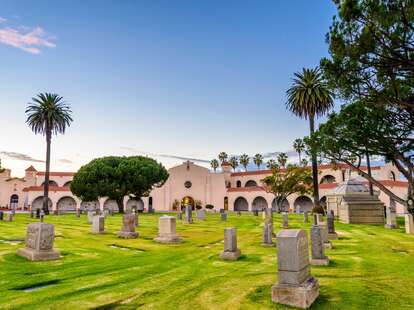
x=167, y=230
x=317, y=244
x=188, y=215
x=98, y=224
x=91, y=214
x=332, y=235
x=39, y=243
x=267, y=235
x=223, y=216
x=231, y=252
x=201, y=215
x=296, y=286
x=285, y=220
x=409, y=226
x=128, y=227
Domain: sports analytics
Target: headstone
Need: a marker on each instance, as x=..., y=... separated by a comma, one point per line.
x=326, y=243
x=318, y=248
x=268, y=234
x=231, y=252
x=188, y=214
x=201, y=215
x=180, y=215
x=91, y=214
x=285, y=220
x=256, y=212
x=223, y=216
x=9, y=217
x=332, y=235
x=305, y=217
x=128, y=227
x=78, y=212
x=1, y=215
x=409, y=226
x=391, y=216
x=222, y=211
x=98, y=224
x=167, y=230
x=111, y=212
x=39, y=243
x=296, y=286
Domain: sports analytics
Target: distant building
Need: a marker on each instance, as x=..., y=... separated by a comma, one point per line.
x=188, y=184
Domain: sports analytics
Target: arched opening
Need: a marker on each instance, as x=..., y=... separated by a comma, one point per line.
x=241, y=204
x=67, y=184
x=51, y=183
x=135, y=204
x=238, y=184
x=226, y=203
x=89, y=205
x=259, y=203
x=392, y=175
x=66, y=205
x=327, y=179
x=302, y=204
x=187, y=201
x=38, y=203
x=285, y=206
x=111, y=204
x=14, y=201
x=250, y=183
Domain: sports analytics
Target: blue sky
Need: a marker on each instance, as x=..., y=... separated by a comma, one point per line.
x=182, y=78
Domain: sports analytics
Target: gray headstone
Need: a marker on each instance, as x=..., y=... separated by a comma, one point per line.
x=268, y=234
x=223, y=216
x=167, y=230
x=318, y=249
x=180, y=215
x=128, y=226
x=409, y=225
x=39, y=242
x=201, y=215
x=188, y=214
x=98, y=224
x=230, y=239
x=91, y=214
x=331, y=223
x=391, y=216
x=9, y=217
x=285, y=220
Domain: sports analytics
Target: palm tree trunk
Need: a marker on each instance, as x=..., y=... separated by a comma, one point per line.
x=371, y=189
x=317, y=207
x=300, y=159
x=47, y=172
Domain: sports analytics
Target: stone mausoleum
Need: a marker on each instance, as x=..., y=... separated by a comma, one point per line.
x=192, y=184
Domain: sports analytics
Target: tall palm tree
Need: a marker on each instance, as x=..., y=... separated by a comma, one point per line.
x=282, y=159
x=233, y=162
x=308, y=98
x=244, y=160
x=222, y=157
x=214, y=164
x=258, y=160
x=271, y=164
x=299, y=147
x=48, y=114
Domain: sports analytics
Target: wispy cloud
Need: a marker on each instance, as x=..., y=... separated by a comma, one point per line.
x=65, y=161
x=169, y=156
x=20, y=156
x=30, y=40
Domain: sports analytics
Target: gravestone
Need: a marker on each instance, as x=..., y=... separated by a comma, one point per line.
x=98, y=224
x=9, y=217
x=332, y=235
x=128, y=227
x=231, y=252
x=201, y=215
x=167, y=232
x=267, y=235
x=1, y=215
x=256, y=212
x=391, y=216
x=188, y=214
x=78, y=212
x=317, y=247
x=409, y=226
x=180, y=215
x=222, y=211
x=111, y=212
x=223, y=216
x=305, y=217
x=296, y=286
x=285, y=220
x=39, y=242
x=326, y=243
x=91, y=214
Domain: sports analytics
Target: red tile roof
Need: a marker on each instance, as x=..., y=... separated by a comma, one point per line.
x=51, y=189
x=31, y=168
x=328, y=185
x=246, y=189
x=58, y=174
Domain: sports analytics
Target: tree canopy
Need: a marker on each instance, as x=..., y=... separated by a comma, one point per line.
x=116, y=177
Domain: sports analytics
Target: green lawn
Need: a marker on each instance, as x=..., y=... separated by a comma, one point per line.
x=371, y=267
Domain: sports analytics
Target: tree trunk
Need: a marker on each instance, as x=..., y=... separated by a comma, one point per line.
x=317, y=208
x=120, y=203
x=300, y=159
x=47, y=172
x=371, y=189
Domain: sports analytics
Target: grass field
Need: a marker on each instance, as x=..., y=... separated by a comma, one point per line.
x=371, y=267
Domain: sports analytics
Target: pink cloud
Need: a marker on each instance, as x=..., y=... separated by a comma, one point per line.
x=28, y=40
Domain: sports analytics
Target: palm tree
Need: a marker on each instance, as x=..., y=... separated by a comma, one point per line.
x=48, y=114
x=214, y=164
x=244, y=160
x=282, y=159
x=304, y=162
x=309, y=97
x=233, y=162
x=299, y=147
x=258, y=160
x=222, y=157
x=271, y=164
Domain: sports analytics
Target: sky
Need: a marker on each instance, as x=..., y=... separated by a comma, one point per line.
x=168, y=79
